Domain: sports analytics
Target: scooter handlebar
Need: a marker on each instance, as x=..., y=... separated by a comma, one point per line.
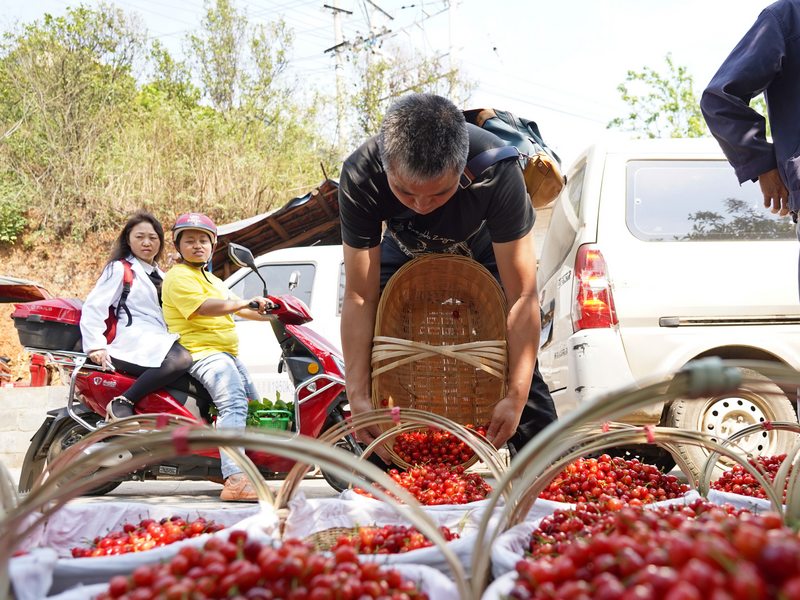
x=270, y=305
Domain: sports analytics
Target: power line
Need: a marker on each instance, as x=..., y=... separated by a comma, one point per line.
x=494, y=92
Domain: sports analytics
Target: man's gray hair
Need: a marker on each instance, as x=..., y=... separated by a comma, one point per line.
x=422, y=137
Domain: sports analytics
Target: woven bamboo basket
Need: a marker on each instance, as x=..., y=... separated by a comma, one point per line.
x=440, y=339
x=325, y=539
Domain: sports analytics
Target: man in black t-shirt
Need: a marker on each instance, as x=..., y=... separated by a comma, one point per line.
x=407, y=177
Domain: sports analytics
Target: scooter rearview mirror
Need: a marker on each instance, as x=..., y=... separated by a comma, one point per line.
x=241, y=256
x=294, y=280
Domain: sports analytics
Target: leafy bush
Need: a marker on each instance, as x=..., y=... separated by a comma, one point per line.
x=12, y=213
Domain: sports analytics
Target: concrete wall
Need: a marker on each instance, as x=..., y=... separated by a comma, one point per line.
x=22, y=411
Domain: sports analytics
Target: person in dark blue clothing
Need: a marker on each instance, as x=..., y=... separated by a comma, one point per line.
x=766, y=59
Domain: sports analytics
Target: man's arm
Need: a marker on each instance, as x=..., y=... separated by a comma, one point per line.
x=516, y=262
x=359, y=309
x=216, y=307
x=748, y=71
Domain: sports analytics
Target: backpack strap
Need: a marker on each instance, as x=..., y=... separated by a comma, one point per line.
x=127, y=279
x=479, y=163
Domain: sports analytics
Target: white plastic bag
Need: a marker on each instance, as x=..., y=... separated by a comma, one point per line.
x=512, y=545
x=73, y=524
x=310, y=516
x=32, y=574
x=430, y=581
x=756, y=505
x=500, y=588
x=70, y=572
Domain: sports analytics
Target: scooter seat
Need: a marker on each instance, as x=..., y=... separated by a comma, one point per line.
x=188, y=384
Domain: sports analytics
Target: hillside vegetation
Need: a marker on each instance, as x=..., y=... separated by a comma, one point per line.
x=97, y=120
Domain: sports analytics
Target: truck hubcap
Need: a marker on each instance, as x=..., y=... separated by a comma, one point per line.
x=726, y=416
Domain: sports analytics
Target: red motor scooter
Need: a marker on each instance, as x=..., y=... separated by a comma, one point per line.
x=50, y=328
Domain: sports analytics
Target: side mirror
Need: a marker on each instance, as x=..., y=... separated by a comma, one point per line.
x=241, y=256
x=294, y=279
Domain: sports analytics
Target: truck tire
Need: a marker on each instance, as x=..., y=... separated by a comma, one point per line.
x=758, y=399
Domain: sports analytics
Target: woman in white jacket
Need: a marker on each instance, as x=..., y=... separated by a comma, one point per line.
x=142, y=346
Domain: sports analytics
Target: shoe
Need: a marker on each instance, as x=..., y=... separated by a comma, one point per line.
x=119, y=408
x=238, y=489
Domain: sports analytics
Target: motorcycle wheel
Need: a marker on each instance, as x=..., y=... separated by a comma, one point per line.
x=348, y=444
x=69, y=435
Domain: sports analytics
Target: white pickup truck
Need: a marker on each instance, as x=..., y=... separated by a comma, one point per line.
x=320, y=284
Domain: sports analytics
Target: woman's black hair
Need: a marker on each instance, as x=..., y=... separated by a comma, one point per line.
x=122, y=247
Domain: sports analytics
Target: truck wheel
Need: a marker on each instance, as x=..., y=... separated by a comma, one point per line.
x=758, y=399
x=65, y=438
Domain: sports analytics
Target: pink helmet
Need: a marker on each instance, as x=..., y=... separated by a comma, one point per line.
x=196, y=221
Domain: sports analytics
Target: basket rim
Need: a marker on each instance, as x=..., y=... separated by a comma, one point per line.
x=486, y=356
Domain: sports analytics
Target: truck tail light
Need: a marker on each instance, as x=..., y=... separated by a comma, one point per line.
x=593, y=307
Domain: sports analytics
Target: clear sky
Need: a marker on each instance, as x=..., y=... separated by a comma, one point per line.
x=556, y=62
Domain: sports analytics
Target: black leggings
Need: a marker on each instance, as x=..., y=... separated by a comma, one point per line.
x=149, y=379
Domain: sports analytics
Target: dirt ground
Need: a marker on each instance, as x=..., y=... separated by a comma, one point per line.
x=66, y=268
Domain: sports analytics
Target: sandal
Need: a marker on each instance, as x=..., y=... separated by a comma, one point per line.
x=119, y=408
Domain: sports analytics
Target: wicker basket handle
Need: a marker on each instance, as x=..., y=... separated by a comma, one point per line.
x=488, y=356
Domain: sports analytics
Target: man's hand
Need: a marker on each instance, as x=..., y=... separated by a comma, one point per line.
x=776, y=196
x=368, y=434
x=505, y=420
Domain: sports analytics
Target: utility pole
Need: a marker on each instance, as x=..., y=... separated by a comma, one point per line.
x=337, y=48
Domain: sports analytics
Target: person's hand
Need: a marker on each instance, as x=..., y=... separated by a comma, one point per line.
x=262, y=302
x=776, y=196
x=505, y=420
x=368, y=434
x=101, y=357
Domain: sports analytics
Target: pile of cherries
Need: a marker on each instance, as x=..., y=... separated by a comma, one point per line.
x=693, y=553
x=435, y=485
x=389, y=539
x=145, y=535
x=593, y=518
x=631, y=481
x=424, y=446
x=739, y=481
x=242, y=568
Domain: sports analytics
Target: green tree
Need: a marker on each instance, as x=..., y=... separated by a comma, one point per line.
x=66, y=86
x=239, y=65
x=660, y=105
x=759, y=104
x=172, y=79
x=741, y=222
x=380, y=78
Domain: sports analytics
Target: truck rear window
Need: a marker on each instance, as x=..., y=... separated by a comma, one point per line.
x=697, y=200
